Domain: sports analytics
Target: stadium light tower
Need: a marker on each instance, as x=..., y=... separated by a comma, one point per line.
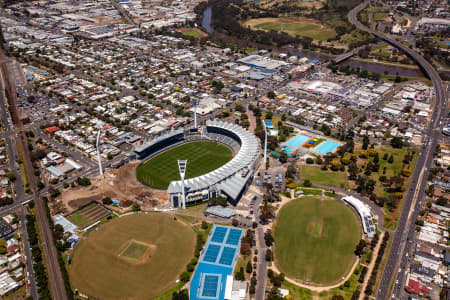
x=265, y=144
x=182, y=168
x=98, y=153
x=194, y=103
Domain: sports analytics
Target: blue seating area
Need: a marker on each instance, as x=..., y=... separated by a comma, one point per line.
x=216, y=262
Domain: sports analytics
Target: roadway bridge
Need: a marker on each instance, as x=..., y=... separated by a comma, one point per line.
x=347, y=55
x=412, y=203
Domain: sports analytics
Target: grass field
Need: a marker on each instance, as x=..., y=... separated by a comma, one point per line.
x=315, y=239
x=316, y=175
x=99, y=271
x=294, y=26
x=202, y=157
x=192, y=32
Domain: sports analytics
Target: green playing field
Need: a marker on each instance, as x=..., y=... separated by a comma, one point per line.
x=202, y=157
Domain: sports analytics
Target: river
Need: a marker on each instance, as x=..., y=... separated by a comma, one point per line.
x=368, y=66
x=206, y=22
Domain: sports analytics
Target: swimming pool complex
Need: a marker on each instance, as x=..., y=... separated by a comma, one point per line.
x=327, y=147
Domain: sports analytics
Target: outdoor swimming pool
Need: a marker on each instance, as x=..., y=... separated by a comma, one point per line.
x=327, y=147
x=297, y=140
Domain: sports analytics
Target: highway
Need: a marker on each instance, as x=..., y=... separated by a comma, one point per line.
x=406, y=227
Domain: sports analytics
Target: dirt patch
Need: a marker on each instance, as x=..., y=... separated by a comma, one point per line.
x=315, y=228
x=139, y=259
x=120, y=185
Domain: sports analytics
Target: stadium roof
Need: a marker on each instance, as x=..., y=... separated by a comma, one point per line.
x=144, y=146
x=247, y=154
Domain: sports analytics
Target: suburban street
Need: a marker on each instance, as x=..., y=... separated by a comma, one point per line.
x=412, y=203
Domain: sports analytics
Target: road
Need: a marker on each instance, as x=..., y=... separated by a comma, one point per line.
x=19, y=190
x=261, y=269
x=396, y=258
x=57, y=286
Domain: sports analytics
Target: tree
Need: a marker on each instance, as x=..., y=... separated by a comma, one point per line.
x=360, y=247
x=271, y=94
x=59, y=231
x=83, y=181
x=274, y=294
x=185, y=276
x=291, y=171
x=249, y=268
x=397, y=142
x=268, y=238
x=136, y=207
x=366, y=142
x=239, y=275
x=391, y=159
x=307, y=183
x=283, y=157
x=310, y=160
x=107, y=201
x=268, y=255
x=181, y=295
x=204, y=225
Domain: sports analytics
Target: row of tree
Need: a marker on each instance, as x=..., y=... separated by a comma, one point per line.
x=373, y=277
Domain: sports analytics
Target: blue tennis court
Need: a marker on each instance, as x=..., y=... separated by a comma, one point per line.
x=327, y=147
x=297, y=140
x=211, y=253
x=227, y=256
x=234, y=236
x=216, y=263
x=219, y=234
x=209, y=286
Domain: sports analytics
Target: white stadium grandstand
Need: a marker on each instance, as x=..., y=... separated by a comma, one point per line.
x=230, y=180
x=364, y=213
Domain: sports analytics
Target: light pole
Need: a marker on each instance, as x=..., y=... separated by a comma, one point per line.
x=265, y=144
x=98, y=153
x=182, y=168
x=194, y=103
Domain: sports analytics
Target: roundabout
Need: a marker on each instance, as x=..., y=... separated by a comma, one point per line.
x=314, y=240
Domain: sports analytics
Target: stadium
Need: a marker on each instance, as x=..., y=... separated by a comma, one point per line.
x=229, y=180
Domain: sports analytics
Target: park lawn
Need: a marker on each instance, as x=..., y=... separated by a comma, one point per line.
x=294, y=27
x=304, y=251
x=381, y=50
x=202, y=157
x=297, y=293
x=307, y=191
x=316, y=175
x=330, y=194
x=242, y=262
x=391, y=169
x=98, y=270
